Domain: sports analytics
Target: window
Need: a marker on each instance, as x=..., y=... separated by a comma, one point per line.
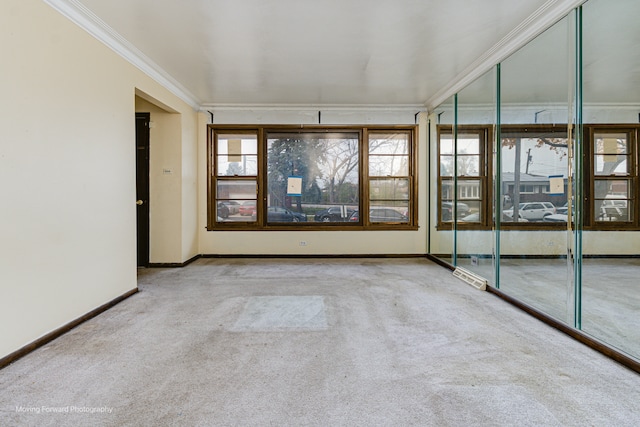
x=389, y=179
x=533, y=157
x=284, y=177
x=524, y=188
x=470, y=175
x=307, y=171
x=236, y=169
x=534, y=161
x=611, y=159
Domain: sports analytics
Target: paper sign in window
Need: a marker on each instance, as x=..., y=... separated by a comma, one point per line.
x=234, y=150
x=294, y=186
x=556, y=185
x=610, y=150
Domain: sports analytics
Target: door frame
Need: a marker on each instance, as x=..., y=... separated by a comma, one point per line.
x=143, y=145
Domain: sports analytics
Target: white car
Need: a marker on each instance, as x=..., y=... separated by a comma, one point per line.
x=532, y=211
x=614, y=210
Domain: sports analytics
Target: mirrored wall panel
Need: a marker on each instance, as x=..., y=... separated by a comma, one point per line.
x=474, y=168
x=443, y=209
x=538, y=175
x=611, y=241
x=534, y=171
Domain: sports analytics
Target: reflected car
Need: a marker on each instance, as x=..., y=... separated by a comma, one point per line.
x=614, y=209
x=532, y=211
x=381, y=215
x=509, y=219
x=247, y=208
x=279, y=214
x=556, y=218
x=332, y=214
x=564, y=209
x=447, y=210
x=474, y=217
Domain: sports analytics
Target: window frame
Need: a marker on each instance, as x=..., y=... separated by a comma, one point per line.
x=411, y=174
x=533, y=129
x=591, y=217
x=590, y=221
x=261, y=221
x=213, y=178
x=484, y=177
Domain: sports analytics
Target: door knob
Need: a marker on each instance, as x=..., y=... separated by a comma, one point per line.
x=139, y=202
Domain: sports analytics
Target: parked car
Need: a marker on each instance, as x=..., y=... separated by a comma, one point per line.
x=556, y=218
x=381, y=215
x=614, y=210
x=222, y=211
x=447, y=210
x=532, y=211
x=247, y=208
x=475, y=217
x=332, y=214
x=279, y=214
x=386, y=215
x=233, y=206
x=563, y=210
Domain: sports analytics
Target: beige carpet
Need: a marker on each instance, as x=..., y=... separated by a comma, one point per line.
x=328, y=342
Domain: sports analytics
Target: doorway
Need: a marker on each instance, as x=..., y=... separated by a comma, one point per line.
x=142, y=187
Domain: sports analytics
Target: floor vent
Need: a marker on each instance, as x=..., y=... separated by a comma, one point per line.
x=471, y=278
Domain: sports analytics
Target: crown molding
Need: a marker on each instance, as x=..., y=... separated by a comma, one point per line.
x=91, y=23
x=312, y=107
x=543, y=18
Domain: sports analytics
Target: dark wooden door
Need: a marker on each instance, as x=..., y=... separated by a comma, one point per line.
x=142, y=187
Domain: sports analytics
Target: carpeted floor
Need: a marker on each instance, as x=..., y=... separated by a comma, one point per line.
x=327, y=342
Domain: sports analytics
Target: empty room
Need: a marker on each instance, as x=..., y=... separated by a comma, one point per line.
x=330, y=213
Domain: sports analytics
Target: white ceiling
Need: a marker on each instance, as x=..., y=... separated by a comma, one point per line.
x=330, y=52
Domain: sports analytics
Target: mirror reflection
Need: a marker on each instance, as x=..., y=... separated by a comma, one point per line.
x=547, y=212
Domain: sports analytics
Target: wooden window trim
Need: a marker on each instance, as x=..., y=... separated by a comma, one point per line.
x=590, y=217
x=590, y=223
x=261, y=223
x=486, y=182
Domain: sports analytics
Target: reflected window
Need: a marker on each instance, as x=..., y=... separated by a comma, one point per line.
x=534, y=176
x=466, y=156
x=614, y=190
x=534, y=184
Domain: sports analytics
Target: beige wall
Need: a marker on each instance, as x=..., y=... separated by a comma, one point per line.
x=67, y=168
x=165, y=183
x=67, y=173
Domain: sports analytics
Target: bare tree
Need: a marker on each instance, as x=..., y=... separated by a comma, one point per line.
x=341, y=164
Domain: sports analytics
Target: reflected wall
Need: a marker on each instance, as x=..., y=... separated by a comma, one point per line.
x=540, y=161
